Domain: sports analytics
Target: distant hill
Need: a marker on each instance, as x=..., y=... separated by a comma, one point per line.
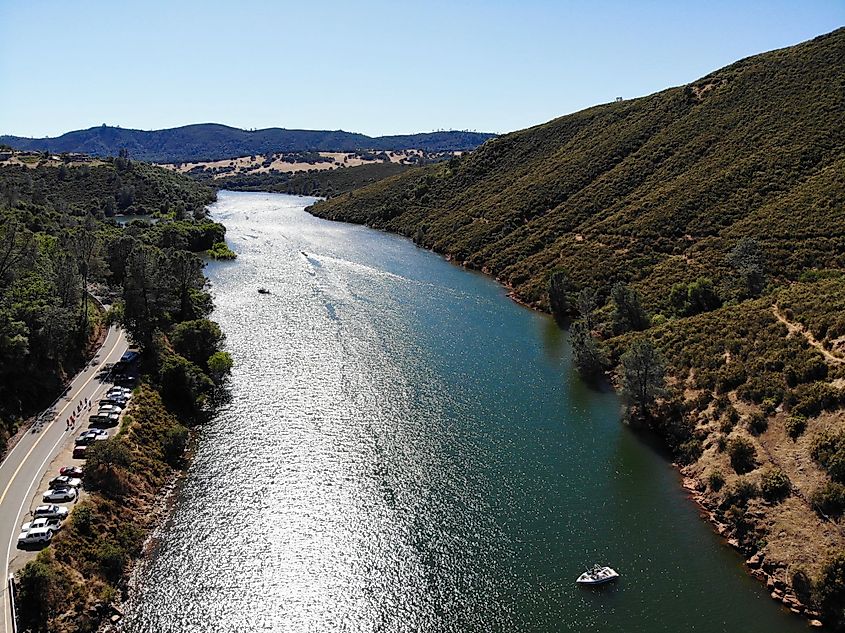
x=212, y=141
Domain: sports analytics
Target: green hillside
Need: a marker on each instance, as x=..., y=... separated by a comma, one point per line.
x=655, y=189
x=696, y=237
x=212, y=141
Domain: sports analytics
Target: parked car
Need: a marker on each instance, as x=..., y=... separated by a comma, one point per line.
x=54, y=524
x=130, y=357
x=37, y=536
x=50, y=511
x=71, y=471
x=124, y=391
x=124, y=379
x=109, y=408
x=59, y=494
x=119, y=400
x=91, y=435
x=79, y=451
x=63, y=481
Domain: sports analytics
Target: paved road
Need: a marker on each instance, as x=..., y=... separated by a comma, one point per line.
x=25, y=464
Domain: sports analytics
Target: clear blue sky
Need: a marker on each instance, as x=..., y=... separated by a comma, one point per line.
x=373, y=67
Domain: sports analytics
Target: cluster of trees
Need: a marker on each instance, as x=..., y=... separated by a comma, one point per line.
x=55, y=241
x=50, y=254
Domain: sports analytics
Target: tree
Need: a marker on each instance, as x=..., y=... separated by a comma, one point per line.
x=42, y=587
x=643, y=374
x=184, y=386
x=219, y=366
x=742, y=454
x=83, y=246
x=628, y=312
x=558, y=301
x=105, y=461
x=197, y=340
x=695, y=298
x=147, y=294
x=586, y=304
x=186, y=270
x=829, y=590
x=589, y=358
x=748, y=261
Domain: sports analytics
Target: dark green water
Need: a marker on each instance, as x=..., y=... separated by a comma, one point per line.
x=408, y=450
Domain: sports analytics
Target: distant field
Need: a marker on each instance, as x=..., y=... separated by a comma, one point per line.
x=292, y=162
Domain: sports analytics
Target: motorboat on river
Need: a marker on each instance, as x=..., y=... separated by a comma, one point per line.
x=597, y=575
x=263, y=291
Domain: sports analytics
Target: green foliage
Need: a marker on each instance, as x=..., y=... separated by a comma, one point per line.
x=55, y=241
x=739, y=493
x=829, y=590
x=197, y=340
x=757, y=423
x=748, y=262
x=628, y=313
x=694, y=298
x=652, y=191
x=558, y=299
x=42, y=587
x=795, y=426
x=643, y=374
x=742, y=453
x=829, y=451
x=774, y=484
x=715, y=480
x=105, y=466
x=219, y=366
x=185, y=388
x=829, y=499
x=587, y=354
x=220, y=250
x=326, y=182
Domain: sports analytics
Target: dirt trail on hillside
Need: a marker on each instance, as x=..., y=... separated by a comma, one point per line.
x=797, y=328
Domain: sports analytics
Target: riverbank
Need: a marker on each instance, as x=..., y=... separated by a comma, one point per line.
x=791, y=543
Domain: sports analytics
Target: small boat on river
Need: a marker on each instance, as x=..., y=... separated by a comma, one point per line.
x=597, y=575
x=263, y=291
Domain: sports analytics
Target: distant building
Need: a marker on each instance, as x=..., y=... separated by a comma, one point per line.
x=618, y=99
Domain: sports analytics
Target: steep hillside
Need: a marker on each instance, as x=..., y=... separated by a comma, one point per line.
x=656, y=189
x=698, y=237
x=211, y=141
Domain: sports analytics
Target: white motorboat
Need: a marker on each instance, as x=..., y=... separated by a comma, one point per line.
x=597, y=575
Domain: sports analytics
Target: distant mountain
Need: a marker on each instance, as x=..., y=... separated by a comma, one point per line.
x=212, y=141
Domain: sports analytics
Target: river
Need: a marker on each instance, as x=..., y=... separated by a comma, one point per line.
x=408, y=450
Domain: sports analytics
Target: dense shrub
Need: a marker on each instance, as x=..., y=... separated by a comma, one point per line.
x=829, y=450
x=739, y=493
x=829, y=499
x=774, y=484
x=829, y=589
x=742, y=454
x=715, y=480
x=757, y=423
x=795, y=426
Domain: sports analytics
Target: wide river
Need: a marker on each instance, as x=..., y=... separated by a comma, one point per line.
x=408, y=450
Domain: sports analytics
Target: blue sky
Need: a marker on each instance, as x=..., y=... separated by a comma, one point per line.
x=372, y=67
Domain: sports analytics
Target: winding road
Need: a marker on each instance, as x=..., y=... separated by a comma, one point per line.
x=25, y=465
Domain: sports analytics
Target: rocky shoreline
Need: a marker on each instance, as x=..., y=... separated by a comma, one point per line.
x=772, y=573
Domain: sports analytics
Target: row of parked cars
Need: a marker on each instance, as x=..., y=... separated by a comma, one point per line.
x=47, y=519
x=108, y=414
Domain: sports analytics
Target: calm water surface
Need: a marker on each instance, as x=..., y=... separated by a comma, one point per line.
x=408, y=450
